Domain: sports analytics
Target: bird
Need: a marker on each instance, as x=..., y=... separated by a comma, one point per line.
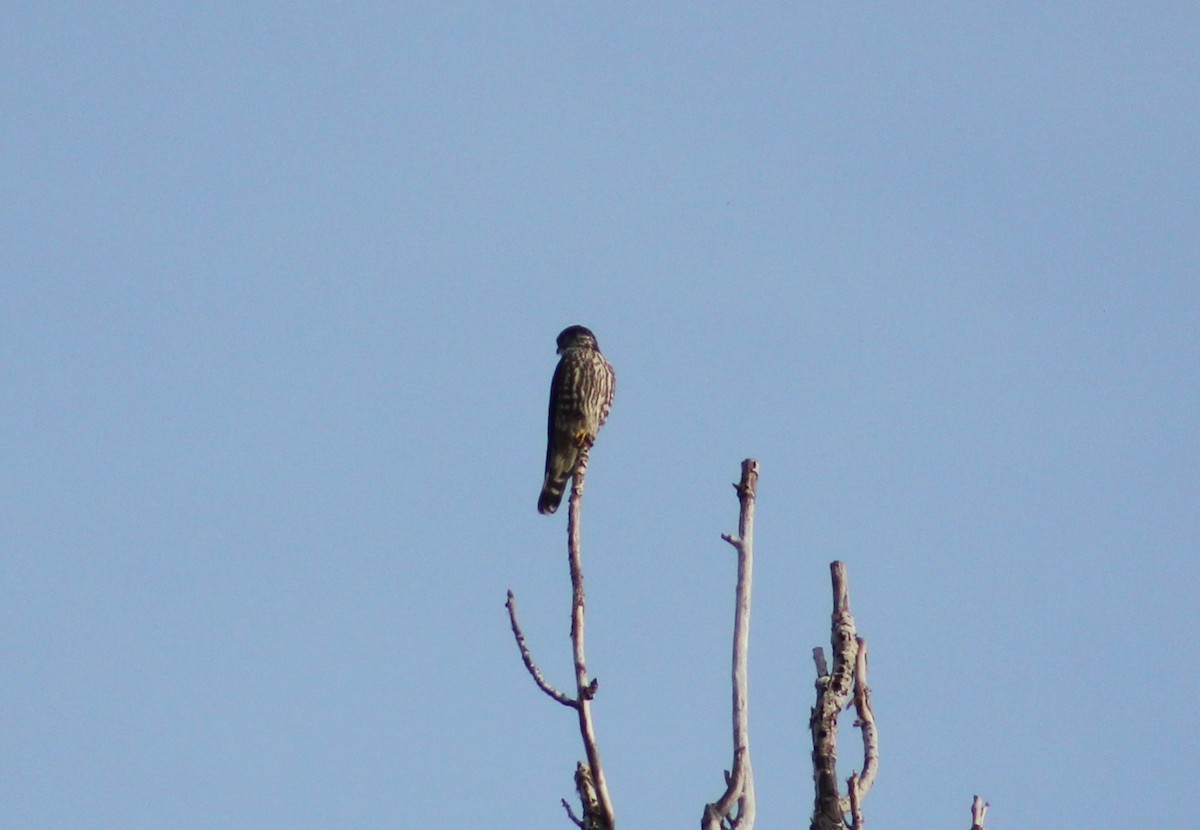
x=581, y=396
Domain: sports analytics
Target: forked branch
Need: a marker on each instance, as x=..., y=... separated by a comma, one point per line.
x=589, y=777
x=979, y=809
x=835, y=686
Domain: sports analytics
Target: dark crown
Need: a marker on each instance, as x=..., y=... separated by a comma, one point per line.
x=576, y=336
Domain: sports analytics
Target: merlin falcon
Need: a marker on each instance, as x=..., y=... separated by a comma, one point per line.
x=581, y=394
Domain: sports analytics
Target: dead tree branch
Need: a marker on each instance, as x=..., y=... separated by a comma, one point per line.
x=739, y=790
x=865, y=721
x=589, y=777
x=979, y=809
x=527, y=658
x=571, y=813
x=597, y=806
x=856, y=816
x=834, y=689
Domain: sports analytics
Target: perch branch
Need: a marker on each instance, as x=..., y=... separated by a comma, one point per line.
x=597, y=806
x=589, y=776
x=739, y=788
x=527, y=658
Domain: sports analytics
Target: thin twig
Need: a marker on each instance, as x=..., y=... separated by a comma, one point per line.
x=739, y=788
x=571, y=815
x=531, y=666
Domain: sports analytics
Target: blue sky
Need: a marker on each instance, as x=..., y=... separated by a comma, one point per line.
x=281, y=287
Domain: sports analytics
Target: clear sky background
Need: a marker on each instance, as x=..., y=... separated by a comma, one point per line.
x=280, y=287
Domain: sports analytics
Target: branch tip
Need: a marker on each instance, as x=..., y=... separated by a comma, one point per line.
x=571, y=815
x=818, y=654
x=979, y=809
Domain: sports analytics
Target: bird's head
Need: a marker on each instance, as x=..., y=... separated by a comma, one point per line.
x=576, y=337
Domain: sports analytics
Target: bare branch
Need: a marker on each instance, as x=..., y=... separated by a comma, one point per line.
x=716, y=814
x=979, y=809
x=571, y=815
x=866, y=724
x=589, y=777
x=739, y=788
x=855, y=794
x=597, y=810
x=833, y=692
x=534, y=671
x=822, y=665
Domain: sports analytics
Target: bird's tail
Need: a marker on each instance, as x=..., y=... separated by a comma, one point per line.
x=552, y=493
